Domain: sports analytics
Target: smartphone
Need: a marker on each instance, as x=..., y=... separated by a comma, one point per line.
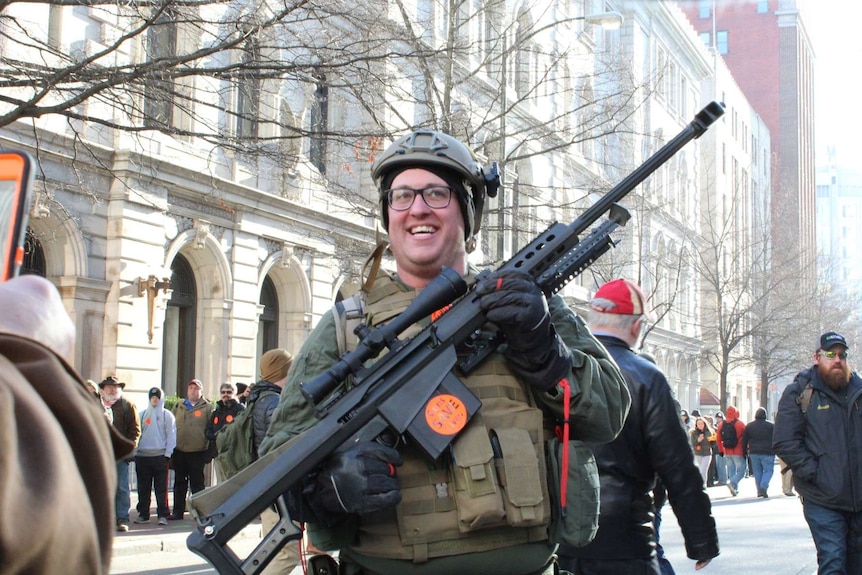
x=16, y=185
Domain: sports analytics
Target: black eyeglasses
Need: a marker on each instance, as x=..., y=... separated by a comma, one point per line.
x=437, y=197
x=834, y=354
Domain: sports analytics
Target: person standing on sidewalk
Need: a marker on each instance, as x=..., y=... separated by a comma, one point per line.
x=158, y=439
x=729, y=438
x=718, y=462
x=224, y=412
x=757, y=445
x=189, y=458
x=818, y=433
x=125, y=419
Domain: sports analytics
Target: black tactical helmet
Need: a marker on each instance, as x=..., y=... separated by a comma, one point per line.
x=430, y=149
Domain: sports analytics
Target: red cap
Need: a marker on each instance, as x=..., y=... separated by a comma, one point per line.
x=620, y=296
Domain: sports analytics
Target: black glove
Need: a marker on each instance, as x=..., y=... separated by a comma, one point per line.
x=513, y=301
x=360, y=480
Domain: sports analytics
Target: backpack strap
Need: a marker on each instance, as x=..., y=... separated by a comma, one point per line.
x=804, y=399
x=348, y=314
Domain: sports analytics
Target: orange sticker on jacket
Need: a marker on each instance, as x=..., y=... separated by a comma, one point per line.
x=445, y=414
x=198, y=413
x=229, y=418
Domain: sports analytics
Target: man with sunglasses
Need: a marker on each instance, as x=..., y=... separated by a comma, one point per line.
x=818, y=433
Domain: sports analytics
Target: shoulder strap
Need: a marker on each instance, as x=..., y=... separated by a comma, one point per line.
x=804, y=398
x=348, y=314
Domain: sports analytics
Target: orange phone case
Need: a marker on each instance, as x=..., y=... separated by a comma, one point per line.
x=16, y=179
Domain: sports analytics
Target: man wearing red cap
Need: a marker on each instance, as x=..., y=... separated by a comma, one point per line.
x=652, y=445
x=818, y=433
x=189, y=458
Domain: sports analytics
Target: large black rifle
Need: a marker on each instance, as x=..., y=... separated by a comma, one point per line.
x=412, y=390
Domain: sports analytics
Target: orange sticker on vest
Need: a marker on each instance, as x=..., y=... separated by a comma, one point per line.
x=198, y=413
x=445, y=414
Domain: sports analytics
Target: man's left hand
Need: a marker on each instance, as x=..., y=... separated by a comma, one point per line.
x=512, y=300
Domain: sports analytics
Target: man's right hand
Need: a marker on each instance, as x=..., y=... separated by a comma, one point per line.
x=360, y=480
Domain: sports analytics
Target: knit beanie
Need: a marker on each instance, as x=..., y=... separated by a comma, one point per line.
x=274, y=365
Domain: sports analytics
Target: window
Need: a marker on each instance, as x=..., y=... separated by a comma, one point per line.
x=706, y=38
x=34, y=255
x=178, y=344
x=762, y=6
x=705, y=9
x=248, y=92
x=267, y=335
x=721, y=41
x=159, y=88
x=319, y=123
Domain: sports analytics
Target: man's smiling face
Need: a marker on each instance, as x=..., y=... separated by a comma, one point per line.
x=425, y=239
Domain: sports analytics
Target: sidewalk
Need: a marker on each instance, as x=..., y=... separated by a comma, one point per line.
x=151, y=537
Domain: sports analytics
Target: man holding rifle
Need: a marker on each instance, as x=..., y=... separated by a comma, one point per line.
x=484, y=505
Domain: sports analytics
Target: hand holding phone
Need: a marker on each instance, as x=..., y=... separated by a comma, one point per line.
x=16, y=185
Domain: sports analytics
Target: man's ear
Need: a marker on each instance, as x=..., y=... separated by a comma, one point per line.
x=636, y=328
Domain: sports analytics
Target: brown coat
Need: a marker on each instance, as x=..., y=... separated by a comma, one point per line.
x=56, y=465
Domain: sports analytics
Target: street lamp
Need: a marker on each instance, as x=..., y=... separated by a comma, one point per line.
x=607, y=20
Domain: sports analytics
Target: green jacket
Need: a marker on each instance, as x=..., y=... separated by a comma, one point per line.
x=192, y=424
x=599, y=404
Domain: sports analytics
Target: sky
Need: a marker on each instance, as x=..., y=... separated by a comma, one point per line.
x=835, y=28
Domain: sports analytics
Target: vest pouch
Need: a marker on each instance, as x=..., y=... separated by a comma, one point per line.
x=477, y=493
x=518, y=472
x=578, y=523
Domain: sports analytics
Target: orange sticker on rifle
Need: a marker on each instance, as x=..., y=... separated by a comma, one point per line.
x=445, y=414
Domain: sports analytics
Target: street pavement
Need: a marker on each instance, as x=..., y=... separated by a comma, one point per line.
x=756, y=536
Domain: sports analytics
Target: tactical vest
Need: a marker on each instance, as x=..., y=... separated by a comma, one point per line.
x=489, y=491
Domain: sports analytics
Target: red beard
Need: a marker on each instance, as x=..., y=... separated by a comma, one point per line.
x=835, y=377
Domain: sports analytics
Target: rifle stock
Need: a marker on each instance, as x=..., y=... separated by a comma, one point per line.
x=393, y=393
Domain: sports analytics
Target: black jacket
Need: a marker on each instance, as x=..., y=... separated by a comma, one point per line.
x=824, y=446
x=652, y=443
x=757, y=437
x=265, y=396
x=223, y=413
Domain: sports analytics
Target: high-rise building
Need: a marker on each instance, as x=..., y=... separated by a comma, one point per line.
x=767, y=48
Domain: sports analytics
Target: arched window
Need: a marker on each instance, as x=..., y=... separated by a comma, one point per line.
x=178, y=357
x=34, y=255
x=267, y=333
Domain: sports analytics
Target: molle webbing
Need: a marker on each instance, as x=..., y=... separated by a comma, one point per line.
x=429, y=522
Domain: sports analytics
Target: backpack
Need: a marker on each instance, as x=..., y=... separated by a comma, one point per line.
x=728, y=435
x=235, y=442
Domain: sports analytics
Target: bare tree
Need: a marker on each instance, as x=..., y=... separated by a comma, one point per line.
x=305, y=90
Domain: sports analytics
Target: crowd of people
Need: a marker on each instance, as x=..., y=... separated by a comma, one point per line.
x=486, y=507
